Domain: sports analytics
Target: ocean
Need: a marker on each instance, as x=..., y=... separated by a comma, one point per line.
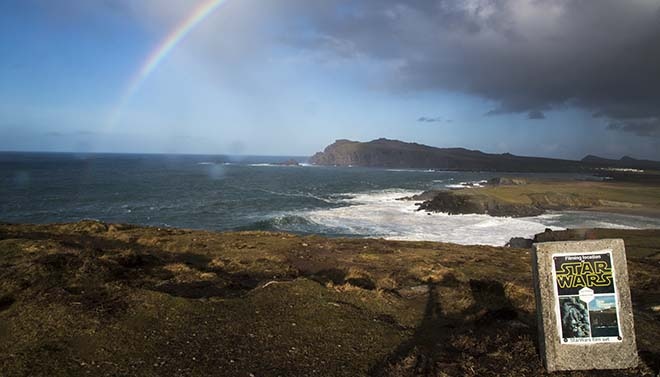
x=227, y=193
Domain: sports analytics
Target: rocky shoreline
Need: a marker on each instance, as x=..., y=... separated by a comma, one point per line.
x=514, y=197
x=454, y=203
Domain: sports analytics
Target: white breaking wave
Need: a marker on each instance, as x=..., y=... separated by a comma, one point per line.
x=380, y=214
x=549, y=216
x=413, y=170
x=467, y=184
x=275, y=165
x=610, y=225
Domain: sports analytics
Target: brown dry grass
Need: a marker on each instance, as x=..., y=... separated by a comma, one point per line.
x=107, y=300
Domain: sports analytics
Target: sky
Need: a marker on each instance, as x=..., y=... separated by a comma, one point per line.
x=556, y=78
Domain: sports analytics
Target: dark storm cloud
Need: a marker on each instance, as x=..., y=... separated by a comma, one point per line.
x=649, y=127
x=535, y=114
x=527, y=56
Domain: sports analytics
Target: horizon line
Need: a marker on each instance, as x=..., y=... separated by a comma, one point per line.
x=153, y=153
x=285, y=155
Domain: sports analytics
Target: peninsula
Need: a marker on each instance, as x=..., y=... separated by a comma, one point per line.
x=386, y=153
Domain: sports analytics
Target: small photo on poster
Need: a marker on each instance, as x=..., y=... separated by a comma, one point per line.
x=574, y=318
x=603, y=318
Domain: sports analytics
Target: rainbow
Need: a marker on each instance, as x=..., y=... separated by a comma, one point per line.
x=158, y=54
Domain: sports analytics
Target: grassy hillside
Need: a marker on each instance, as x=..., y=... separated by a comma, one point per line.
x=615, y=193
x=97, y=299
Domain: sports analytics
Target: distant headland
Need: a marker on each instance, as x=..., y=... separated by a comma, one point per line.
x=386, y=153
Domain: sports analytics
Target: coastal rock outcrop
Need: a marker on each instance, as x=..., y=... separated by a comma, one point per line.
x=506, y=181
x=495, y=202
x=520, y=243
x=453, y=203
x=289, y=162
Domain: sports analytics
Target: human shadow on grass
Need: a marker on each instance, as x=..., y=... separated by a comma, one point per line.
x=433, y=348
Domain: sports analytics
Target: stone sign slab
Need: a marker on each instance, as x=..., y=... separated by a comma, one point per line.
x=583, y=305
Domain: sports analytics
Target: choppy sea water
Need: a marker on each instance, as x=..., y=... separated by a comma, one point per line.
x=240, y=193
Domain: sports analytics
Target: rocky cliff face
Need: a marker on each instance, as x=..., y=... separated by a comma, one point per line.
x=397, y=154
x=341, y=152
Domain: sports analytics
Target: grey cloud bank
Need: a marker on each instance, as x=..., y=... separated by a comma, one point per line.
x=526, y=56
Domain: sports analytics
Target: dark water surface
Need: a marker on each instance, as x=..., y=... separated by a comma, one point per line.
x=228, y=193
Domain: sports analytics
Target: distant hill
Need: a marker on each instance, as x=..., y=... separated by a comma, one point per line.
x=625, y=162
x=397, y=154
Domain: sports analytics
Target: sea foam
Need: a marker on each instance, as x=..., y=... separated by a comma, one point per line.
x=380, y=214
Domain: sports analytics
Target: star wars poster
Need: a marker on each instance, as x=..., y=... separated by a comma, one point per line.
x=587, y=301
